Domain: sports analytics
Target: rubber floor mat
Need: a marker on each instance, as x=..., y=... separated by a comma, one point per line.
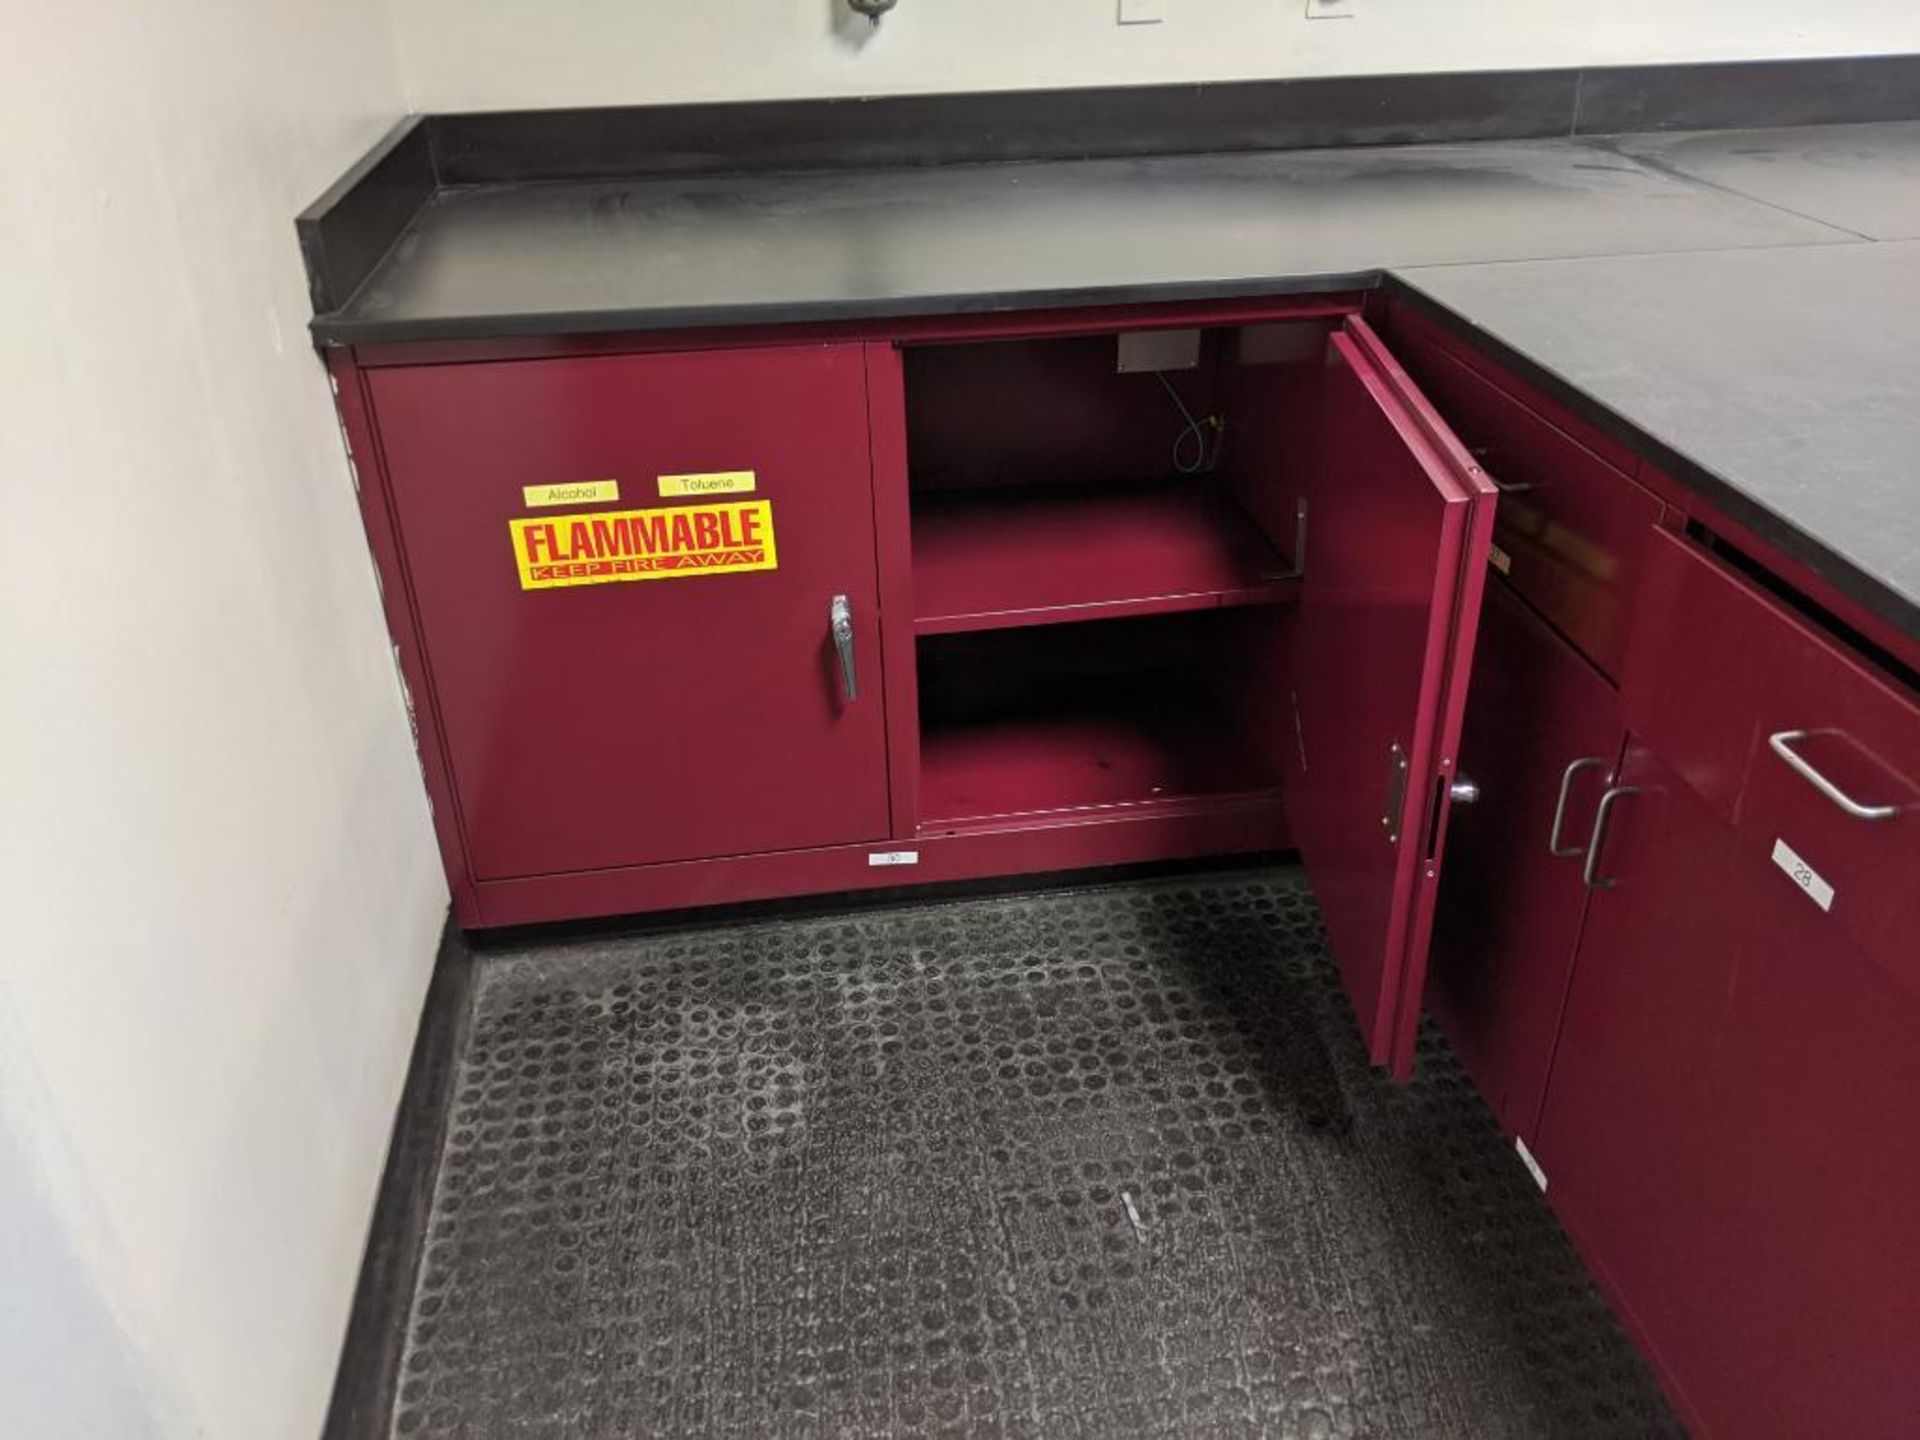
x=1086, y=1163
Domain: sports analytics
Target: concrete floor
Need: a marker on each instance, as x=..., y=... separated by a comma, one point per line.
x=1097, y=1162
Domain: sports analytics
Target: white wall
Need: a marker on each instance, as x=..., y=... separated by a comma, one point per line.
x=65, y=1366
x=503, y=54
x=218, y=892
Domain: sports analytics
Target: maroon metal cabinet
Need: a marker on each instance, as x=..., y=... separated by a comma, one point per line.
x=654, y=714
x=1543, y=735
x=1398, y=524
x=1729, y=1131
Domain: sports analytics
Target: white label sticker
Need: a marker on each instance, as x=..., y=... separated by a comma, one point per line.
x=1533, y=1165
x=1499, y=559
x=894, y=857
x=1803, y=875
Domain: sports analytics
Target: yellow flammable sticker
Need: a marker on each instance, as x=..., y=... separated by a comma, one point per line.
x=717, y=482
x=663, y=544
x=573, y=492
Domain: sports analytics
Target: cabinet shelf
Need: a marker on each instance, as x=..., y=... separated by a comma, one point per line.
x=994, y=559
x=978, y=773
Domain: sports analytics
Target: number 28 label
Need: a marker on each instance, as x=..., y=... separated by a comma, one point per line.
x=1803, y=875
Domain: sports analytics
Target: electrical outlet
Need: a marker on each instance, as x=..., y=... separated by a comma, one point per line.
x=1330, y=9
x=1142, y=12
x=1142, y=350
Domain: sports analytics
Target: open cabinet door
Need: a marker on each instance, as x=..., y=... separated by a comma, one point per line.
x=1399, y=523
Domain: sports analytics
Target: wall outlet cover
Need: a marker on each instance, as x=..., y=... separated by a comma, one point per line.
x=1144, y=350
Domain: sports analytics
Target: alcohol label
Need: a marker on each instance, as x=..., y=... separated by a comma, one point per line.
x=665, y=544
x=1803, y=875
x=573, y=492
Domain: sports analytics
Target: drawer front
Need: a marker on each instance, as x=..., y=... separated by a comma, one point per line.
x=1811, y=754
x=1571, y=529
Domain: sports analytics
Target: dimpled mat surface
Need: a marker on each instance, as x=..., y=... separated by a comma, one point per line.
x=1080, y=1163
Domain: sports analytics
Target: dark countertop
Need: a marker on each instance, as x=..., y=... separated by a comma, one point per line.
x=1716, y=294
x=756, y=249
x=1863, y=178
x=1783, y=384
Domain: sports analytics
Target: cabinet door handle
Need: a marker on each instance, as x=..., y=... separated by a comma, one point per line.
x=840, y=622
x=1591, y=874
x=1781, y=743
x=1554, y=847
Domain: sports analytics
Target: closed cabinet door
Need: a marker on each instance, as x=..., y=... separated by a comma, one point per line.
x=1542, y=738
x=648, y=595
x=1729, y=1130
x=1730, y=1127
x=1399, y=520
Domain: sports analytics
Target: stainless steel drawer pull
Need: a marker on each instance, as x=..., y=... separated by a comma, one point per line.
x=1591, y=873
x=840, y=622
x=1782, y=742
x=1554, y=847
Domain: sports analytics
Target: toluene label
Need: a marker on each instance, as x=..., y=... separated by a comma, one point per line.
x=1803, y=875
x=713, y=482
